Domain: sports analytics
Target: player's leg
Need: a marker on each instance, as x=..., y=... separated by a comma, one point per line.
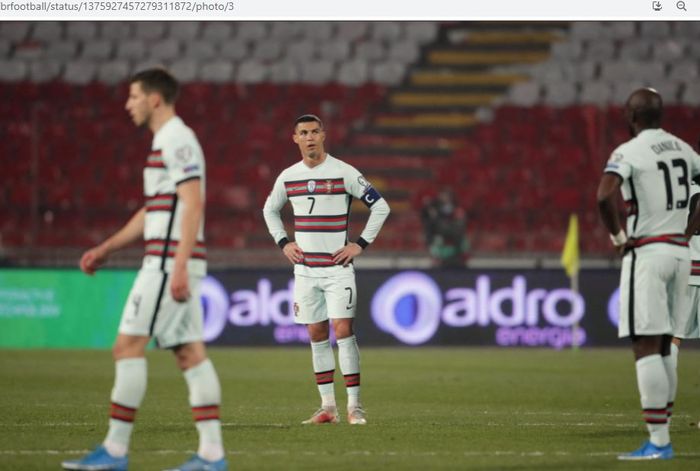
x=680, y=297
x=310, y=309
x=648, y=324
x=130, y=373
x=341, y=298
x=182, y=331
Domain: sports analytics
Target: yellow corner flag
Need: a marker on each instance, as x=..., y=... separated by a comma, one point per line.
x=570, y=255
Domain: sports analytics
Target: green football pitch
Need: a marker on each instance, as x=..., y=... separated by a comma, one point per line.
x=428, y=409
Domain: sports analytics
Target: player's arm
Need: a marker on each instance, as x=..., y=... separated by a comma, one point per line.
x=607, y=207
x=693, y=217
x=189, y=194
x=94, y=258
x=271, y=213
x=379, y=211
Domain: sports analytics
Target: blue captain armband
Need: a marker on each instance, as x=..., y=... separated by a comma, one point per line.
x=370, y=197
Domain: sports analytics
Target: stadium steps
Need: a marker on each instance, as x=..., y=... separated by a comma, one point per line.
x=414, y=138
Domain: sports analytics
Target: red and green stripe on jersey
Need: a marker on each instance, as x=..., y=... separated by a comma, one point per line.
x=337, y=223
x=672, y=239
x=324, y=186
x=162, y=202
x=318, y=259
x=695, y=268
x=155, y=159
x=157, y=247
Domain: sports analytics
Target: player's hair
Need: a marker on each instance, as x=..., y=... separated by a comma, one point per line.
x=308, y=118
x=158, y=80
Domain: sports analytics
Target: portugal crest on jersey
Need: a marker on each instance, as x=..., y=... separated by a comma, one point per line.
x=311, y=186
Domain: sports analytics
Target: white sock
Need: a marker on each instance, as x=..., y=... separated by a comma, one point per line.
x=205, y=398
x=127, y=394
x=349, y=359
x=324, y=368
x=654, y=389
x=671, y=365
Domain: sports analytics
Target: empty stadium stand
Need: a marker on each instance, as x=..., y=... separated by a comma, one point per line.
x=517, y=118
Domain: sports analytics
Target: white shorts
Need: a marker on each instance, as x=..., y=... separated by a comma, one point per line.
x=653, y=291
x=687, y=325
x=151, y=311
x=318, y=299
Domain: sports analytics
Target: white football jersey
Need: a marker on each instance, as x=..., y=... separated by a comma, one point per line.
x=176, y=157
x=320, y=199
x=695, y=240
x=656, y=170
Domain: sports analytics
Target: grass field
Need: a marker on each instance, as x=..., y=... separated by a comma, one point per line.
x=428, y=409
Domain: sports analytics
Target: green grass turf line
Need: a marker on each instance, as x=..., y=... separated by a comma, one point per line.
x=428, y=409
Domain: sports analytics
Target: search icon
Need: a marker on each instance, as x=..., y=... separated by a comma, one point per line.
x=681, y=5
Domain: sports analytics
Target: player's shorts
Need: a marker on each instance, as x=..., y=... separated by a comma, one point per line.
x=318, y=299
x=687, y=325
x=653, y=292
x=151, y=311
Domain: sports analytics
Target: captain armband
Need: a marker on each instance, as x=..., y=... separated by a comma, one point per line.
x=370, y=197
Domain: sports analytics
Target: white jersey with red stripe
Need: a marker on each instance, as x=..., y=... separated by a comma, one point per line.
x=175, y=157
x=656, y=169
x=694, y=242
x=320, y=199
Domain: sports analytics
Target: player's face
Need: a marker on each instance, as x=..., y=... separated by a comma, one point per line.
x=138, y=105
x=309, y=137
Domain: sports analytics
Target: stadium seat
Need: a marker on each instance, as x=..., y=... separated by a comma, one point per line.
x=233, y=49
x=352, y=30
x=251, y=72
x=251, y=31
x=47, y=31
x=12, y=70
x=165, y=49
x=388, y=73
x=131, y=49
x=15, y=31
x=184, y=31
x=185, y=69
x=44, y=71
x=218, y=31
x=63, y=50
x=218, y=71
x=149, y=30
x=79, y=72
x=82, y=30
x=201, y=50
x=336, y=50
x=116, y=30
x=97, y=50
x=113, y=72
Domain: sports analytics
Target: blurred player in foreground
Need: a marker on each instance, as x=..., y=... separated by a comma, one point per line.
x=164, y=300
x=320, y=189
x=654, y=171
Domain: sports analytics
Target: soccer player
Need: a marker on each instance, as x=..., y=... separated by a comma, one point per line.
x=320, y=189
x=654, y=171
x=164, y=300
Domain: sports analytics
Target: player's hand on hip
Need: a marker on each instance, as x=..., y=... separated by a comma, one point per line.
x=345, y=255
x=93, y=259
x=293, y=252
x=179, y=285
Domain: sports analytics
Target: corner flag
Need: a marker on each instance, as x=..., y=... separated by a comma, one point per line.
x=570, y=255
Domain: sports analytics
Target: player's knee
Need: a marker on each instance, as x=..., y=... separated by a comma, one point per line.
x=189, y=355
x=343, y=330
